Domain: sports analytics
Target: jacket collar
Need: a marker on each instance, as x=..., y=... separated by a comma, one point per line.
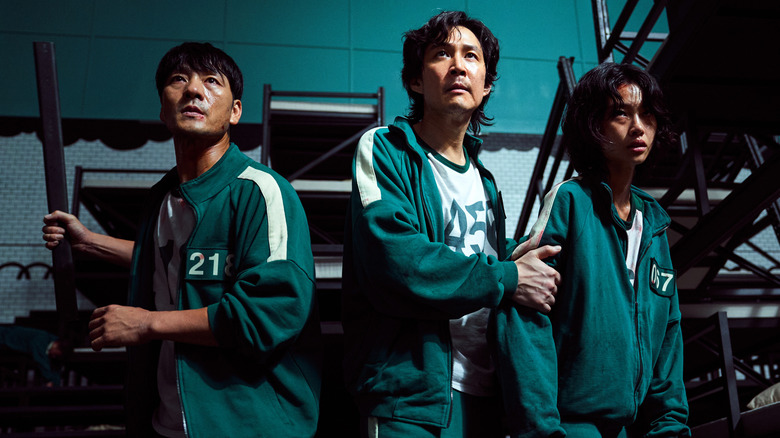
x=402, y=124
x=213, y=180
x=651, y=210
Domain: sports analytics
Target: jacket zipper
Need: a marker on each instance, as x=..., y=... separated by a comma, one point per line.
x=178, y=390
x=644, y=251
x=484, y=174
x=182, y=268
x=638, y=382
x=431, y=235
x=640, y=366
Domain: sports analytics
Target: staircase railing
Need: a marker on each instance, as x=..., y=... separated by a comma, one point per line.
x=609, y=40
x=537, y=188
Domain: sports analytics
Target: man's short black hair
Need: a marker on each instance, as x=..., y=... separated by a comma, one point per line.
x=436, y=31
x=596, y=90
x=200, y=57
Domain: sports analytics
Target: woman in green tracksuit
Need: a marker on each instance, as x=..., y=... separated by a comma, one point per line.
x=612, y=346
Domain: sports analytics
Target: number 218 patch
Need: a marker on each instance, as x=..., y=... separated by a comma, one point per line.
x=662, y=280
x=209, y=264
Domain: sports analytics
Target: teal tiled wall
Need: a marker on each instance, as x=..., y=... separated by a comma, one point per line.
x=107, y=51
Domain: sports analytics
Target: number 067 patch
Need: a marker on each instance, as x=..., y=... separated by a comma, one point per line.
x=662, y=280
x=208, y=264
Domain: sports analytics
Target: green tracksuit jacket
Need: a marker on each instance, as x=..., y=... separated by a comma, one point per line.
x=618, y=348
x=402, y=284
x=34, y=342
x=249, y=262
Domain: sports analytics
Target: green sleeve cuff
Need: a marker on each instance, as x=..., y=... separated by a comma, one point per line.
x=211, y=309
x=509, y=279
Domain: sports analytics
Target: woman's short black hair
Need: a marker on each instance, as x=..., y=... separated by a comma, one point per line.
x=436, y=31
x=200, y=57
x=596, y=91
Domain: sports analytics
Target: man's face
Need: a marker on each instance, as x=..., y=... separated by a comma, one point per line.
x=453, y=75
x=630, y=130
x=198, y=104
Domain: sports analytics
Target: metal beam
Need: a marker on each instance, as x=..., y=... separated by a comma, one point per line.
x=644, y=31
x=748, y=266
x=737, y=210
x=638, y=59
x=334, y=150
x=535, y=187
x=76, y=199
x=680, y=182
x=265, y=152
x=617, y=32
x=726, y=253
x=601, y=26
x=726, y=358
x=656, y=37
x=54, y=164
x=739, y=364
x=700, y=177
x=268, y=94
x=756, y=160
x=380, y=106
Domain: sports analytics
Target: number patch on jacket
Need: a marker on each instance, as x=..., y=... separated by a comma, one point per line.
x=209, y=264
x=662, y=280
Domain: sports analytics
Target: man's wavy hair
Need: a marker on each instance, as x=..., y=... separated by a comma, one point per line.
x=199, y=57
x=436, y=31
x=591, y=99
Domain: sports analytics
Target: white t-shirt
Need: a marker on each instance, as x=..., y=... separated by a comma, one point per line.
x=175, y=223
x=632, y=249
x=469, y=230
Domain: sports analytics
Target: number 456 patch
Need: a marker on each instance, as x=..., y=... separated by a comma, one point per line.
x=662, y=280
x=209, y=264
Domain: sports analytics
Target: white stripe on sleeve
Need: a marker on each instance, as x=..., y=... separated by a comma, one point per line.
x=277, y=221
x=365, y=176
x=537, y=230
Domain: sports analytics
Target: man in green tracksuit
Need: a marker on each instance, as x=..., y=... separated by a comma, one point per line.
x=221, y=323
x=425, y=249
x=612, y=346
x=45, y=348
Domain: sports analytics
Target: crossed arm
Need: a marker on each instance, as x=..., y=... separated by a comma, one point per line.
x=410, y=275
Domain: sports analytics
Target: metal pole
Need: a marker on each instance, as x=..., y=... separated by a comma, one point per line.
x=601, y=26
x=265, y=152
x=644, y=31
x=380, y=106
x=535, y=187
x=54, y=164
x=729, y=376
